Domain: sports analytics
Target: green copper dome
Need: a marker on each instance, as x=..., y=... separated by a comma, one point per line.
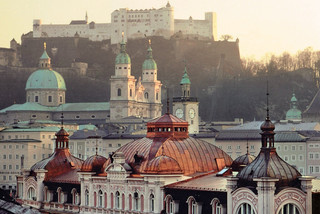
x=293, y=114
x=45, y=79
x=44, y=55
x=185, y=78
x=149, y=63
x=123, y=57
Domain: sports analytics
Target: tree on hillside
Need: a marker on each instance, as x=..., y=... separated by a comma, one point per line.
x=226, y=37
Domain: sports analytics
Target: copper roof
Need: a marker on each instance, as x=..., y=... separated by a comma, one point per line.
x=269, y=164
x=163, y=165
x=94, y=164
x=242, y=161
x=167, y=118
x=192, y=155
x=61, y=162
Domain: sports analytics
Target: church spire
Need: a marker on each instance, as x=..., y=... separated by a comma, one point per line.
x=45, y=61
x=185, y=83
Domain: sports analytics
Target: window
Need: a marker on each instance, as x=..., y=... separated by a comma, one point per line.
x=285, y=148
x=10, y=166
x=151, y=199
x=17, y=166
x=17, y=146
x=229, y=147
x=216, y=206
x=130, y=92
x=100, y=199
x=61, y=99
x=245, y=209
x=170, y=204
x=293, y=148
x=311, y=156
x=17, y=156
x=119, y=144
x=77, y=117
x=157, y=96
x=34, y=156
x=50, y=99
x=301, y=157
x=311, y=169
x=301, y=148
x=31, y=194
x=36, y=99
x=93, y=116
x=86, y=198
x=110, y=145
x=4, y=156
x=192, y=205
x=293, y=157
x=288, y=209
x=117, y=199
x=10, y=156
x=119, y=92
x=4, y=166
x=136, y=201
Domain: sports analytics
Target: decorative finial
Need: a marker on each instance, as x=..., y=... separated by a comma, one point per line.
x=168, y=102
x=62, y=120
x=267, y=100
x=96, y=145
x=44, y=46
x=122, y=34
x=149, y=41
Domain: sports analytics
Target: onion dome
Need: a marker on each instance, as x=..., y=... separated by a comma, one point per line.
x=94, y=164
x=61, y=165
x=149, y=63
x=168, y=149
x=242, y=161
x=123, y=57
x=163, y=165
x=45, y=77
x=185, y=78
x=268, y=163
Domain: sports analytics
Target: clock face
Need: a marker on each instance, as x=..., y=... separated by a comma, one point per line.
x=192, y=113
x=179, y=113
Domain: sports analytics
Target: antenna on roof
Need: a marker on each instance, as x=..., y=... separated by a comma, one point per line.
x=247, y=145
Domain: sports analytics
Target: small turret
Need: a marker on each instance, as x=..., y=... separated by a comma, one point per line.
x=185, y=84
x=45, y=61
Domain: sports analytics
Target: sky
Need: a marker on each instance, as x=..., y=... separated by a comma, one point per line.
x=264, y=26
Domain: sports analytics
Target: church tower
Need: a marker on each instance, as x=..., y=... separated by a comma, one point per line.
x=152, y=86
x=187, y=107
x=122, y=86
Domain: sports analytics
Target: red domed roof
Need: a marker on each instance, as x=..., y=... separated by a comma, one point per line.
x=191, y=155
x=163, y=165
x=94, y=164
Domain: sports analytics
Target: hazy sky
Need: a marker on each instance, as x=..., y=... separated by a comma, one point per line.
x=263, y=26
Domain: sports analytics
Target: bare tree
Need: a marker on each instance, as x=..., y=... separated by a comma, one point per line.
x=226, y=37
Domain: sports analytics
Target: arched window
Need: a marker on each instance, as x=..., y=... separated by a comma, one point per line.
x=151, y=202
x=119, y=92
x=289, y=209
x=61, y=99
x=50, y=99
x=157, y=96
x=100, y=199
x=60, y=195
x=146, y=95
x=216, y=206
x=86, y=198
x=130, y=92
x=245, y=209
x=117, y=199
x=192, y=205
x=36, y=99
x=31, y=194
x=74, y=196
x=136, y=201
x=169, y=204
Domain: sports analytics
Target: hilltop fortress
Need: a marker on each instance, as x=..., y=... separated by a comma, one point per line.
x=134, y=24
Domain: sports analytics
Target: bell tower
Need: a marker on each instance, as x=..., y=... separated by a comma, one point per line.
x=187, y=107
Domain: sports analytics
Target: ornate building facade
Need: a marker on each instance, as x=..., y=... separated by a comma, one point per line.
x=130, y=181
x=130, y=97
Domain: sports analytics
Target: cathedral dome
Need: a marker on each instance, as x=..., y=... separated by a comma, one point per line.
x=293, y=114
x=169, y=147
x=123, y=57
x=94, y=164
x=149, y=63
x=45, y=79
